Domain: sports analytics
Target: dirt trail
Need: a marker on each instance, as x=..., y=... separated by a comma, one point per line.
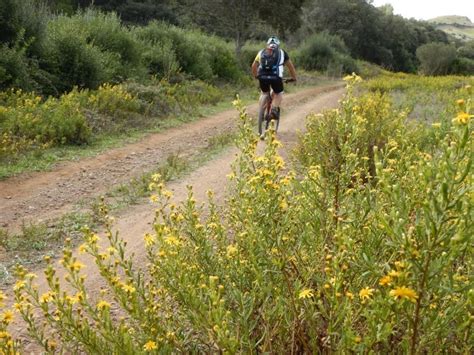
x=71, y=179
x=41, y=196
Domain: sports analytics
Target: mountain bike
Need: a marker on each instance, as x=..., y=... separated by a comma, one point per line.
x=265, y=114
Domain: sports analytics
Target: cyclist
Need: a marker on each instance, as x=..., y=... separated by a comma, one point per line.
x=268, y=69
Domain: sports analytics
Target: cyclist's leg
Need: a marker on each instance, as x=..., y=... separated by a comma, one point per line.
x=277, y=86
x=264, y=91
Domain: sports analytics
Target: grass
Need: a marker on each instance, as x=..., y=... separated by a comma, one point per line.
x=35, y=240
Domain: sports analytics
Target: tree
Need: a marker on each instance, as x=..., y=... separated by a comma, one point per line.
x=371, y=33
x=436, y=58
x=134, y=11
x=237, y=19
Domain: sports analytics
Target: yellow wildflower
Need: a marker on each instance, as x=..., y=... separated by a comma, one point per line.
x=149, y=240
x=4, y=334
x=460, y=102
x=103, y=305
x=462, y=118
x=366, y=293
x=171, y=240
x=76, y=266
x=46, y=297
x=306, y=293
x=71, y=300
x=404, y=292
x=128, y=288
x=231, y=250
x=20, y=284
x=349, y=295
x=7, y=317
x=82, y=248
x=150, y=345
x=2, y=297
x=386, y=280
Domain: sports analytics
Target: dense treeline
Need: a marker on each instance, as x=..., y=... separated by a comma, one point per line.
x=372, y=34
x=50, y=46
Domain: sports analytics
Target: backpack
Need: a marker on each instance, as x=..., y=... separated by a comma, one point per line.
x=269, y=62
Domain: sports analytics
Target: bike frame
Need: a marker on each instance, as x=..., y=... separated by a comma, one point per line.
x=265, y=112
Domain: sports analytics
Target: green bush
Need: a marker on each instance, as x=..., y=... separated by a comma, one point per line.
x=72, y=60
x=191, y=54
x=223, y=61
x=13, y=68
x=163, y=98
x=462, y=66
x=25, y=116
x=467, y=50
x=24, y=23
x=160, y=60
x=325, y=52
x=105, y=31
x=199, y=55
x=159, y=55
x=248, y=53
x=435, y=58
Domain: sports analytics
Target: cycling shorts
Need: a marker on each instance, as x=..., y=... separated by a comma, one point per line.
x=276, y=83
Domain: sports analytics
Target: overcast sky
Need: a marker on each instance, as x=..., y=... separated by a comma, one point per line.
x=428, y=9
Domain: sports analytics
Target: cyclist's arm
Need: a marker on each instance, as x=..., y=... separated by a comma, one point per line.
x=255, y=65
x=291, y=68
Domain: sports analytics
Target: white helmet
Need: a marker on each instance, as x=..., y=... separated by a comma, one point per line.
x=273, y=42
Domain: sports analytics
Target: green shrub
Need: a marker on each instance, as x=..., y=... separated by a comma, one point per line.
x=163, y=98
x=160, y=60
x=467, y=50
x=72, y=60
x=223, y=61
x=14, y=71
x=462, y=66
x=26, y=117
x=23, y=23
x=105, y=31
x=435, y=58
x=190, y=54
x=248, y=53
x=322, y=52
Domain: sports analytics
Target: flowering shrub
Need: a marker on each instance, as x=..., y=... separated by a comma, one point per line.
x=111, y=98
x=26, y=121
x=282, y=267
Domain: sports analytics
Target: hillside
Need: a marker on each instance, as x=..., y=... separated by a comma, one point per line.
x=459, y=27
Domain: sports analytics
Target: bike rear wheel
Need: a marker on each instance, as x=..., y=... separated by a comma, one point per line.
x=263, y=117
